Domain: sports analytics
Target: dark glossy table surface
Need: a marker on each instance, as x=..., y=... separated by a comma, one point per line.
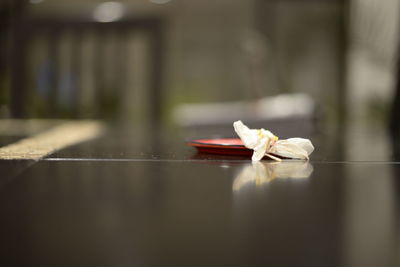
x=124, y=201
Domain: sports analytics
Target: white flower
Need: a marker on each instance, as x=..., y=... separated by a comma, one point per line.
x=258, y=140
x=265, y=143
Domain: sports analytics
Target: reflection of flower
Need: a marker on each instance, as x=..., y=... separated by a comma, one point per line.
x=260, y=172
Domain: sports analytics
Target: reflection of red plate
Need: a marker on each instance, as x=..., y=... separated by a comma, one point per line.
x=223, y=146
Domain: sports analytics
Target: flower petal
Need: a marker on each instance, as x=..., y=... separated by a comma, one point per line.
x=257, y=139
x=302, y=142
x=260, y=149
x=249, y=137
x=296, y=148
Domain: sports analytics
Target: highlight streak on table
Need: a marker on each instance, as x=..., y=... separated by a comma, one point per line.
x=59, y=137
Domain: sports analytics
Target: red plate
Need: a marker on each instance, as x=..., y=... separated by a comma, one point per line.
x=222, y=146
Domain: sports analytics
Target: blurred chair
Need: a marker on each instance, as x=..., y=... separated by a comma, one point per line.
x=286, y=114
x=49, y=76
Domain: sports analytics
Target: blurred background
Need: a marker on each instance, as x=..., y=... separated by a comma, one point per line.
x=296, y=67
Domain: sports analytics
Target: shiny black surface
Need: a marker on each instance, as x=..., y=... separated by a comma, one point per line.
x=366, y=146
x=177, y=213
x=140, y=201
